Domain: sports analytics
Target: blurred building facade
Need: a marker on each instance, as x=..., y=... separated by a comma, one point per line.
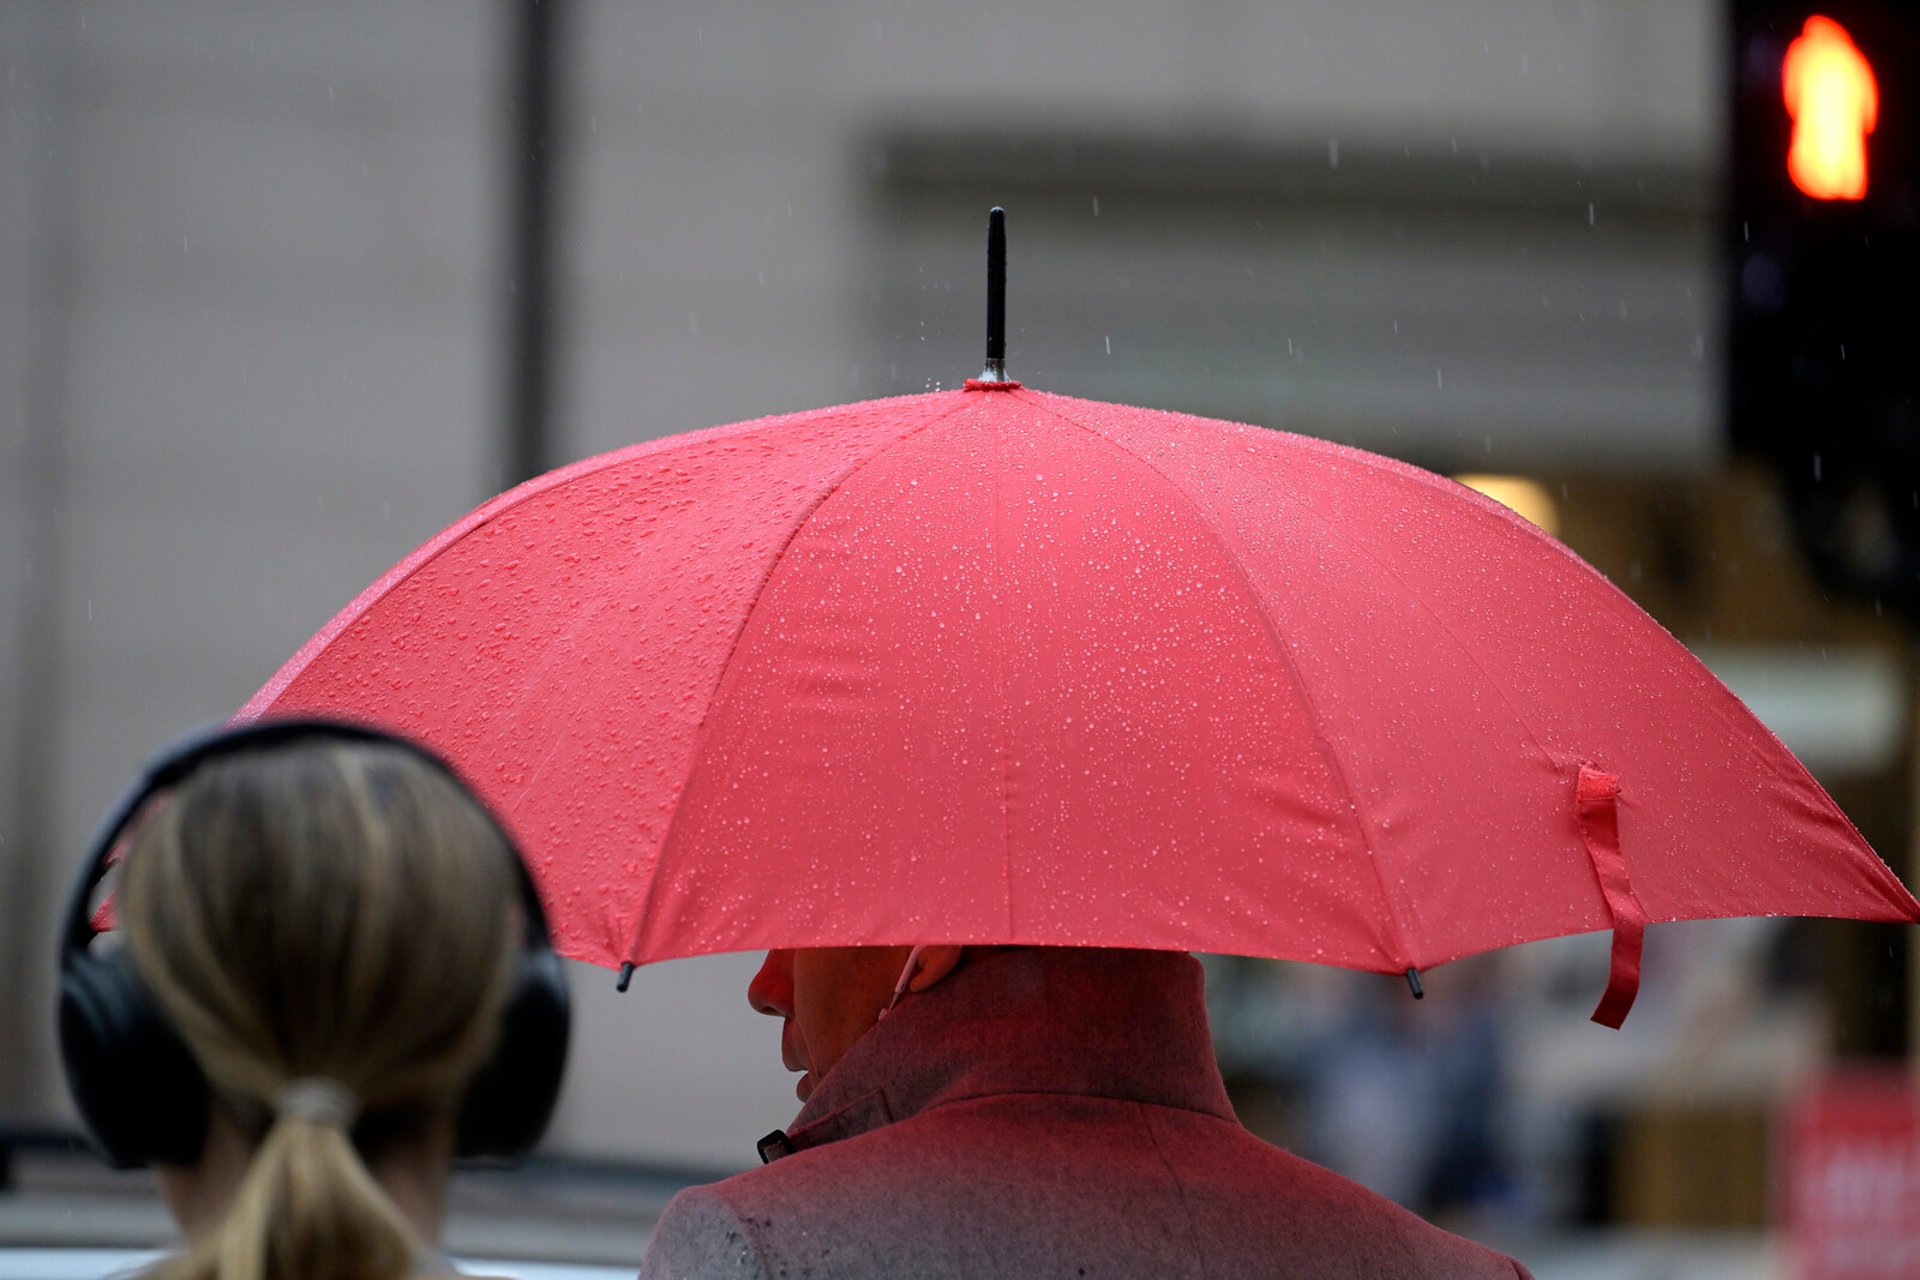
x=254, y=298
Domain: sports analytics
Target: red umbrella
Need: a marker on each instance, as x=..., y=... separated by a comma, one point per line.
x=997, y=666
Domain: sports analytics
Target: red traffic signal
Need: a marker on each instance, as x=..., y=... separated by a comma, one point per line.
x=1834, y=103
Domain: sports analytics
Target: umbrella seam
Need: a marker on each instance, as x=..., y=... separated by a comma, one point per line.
x=1232, y=557
x=721, y=684
x=1465, y=649
x=1000, y=653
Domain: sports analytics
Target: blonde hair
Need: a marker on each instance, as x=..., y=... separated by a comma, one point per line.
x=321, y=909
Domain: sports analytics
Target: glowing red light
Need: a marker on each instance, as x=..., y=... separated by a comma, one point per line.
x=1834, y=101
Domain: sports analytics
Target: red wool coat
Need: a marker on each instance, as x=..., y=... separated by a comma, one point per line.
x=1044, y=1112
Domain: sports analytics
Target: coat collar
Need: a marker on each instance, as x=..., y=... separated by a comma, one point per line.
x=1126, y=1025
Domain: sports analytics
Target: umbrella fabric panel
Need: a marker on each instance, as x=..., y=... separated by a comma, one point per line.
x=1145, y=666
x=1452, y=799
x=576, y=627
x=848, y=686
x=1018, y=696
x=1492, y=662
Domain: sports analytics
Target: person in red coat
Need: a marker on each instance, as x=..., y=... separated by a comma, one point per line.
x=1025, y=1111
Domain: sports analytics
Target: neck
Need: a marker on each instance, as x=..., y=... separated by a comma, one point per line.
x=1119, y=1024
x=415, y=1179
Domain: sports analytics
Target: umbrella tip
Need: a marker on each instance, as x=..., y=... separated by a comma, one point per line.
x=1413, y=984
x=996, y=366
x=626, y=976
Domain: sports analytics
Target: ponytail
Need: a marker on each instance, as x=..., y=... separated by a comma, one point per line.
x=307, y=1207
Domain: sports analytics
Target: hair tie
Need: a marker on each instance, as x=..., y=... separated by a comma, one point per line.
x=317, y=1100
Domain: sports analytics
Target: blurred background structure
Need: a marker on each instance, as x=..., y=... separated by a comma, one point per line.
x=284, y=289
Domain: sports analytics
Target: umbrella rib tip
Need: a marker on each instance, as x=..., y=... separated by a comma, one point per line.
x=1413, y=984
x=625, y=978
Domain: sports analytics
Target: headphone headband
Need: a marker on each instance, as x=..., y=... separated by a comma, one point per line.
x=180, y=760
x=112, y=1035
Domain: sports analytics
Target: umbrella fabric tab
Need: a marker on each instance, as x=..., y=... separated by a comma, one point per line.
x=1597, y=803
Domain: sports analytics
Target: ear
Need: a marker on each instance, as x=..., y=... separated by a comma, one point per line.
x=935, y=964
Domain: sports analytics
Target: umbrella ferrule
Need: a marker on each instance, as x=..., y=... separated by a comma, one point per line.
x=995, y=369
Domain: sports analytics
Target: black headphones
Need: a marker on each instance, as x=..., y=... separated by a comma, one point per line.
x=138, y=1087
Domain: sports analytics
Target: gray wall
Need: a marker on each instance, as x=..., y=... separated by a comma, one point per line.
x=246, y=364
x=783, y=208
x=250, y=300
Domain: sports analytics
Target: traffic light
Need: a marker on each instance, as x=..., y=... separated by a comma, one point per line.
x=1823, y=221
x=1833, y=101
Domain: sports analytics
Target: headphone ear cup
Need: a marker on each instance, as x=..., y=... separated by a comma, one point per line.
x=513, y=1093
x=136, y=1084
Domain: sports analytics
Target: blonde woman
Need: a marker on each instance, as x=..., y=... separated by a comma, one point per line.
x=335, y=978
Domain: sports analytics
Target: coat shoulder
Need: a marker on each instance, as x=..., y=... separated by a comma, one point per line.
x=702, y=1236
x=1246, y=1188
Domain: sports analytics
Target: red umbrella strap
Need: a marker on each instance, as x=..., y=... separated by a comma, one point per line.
x=1597, y=803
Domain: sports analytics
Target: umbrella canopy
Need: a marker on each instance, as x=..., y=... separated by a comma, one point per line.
x=998, y=666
